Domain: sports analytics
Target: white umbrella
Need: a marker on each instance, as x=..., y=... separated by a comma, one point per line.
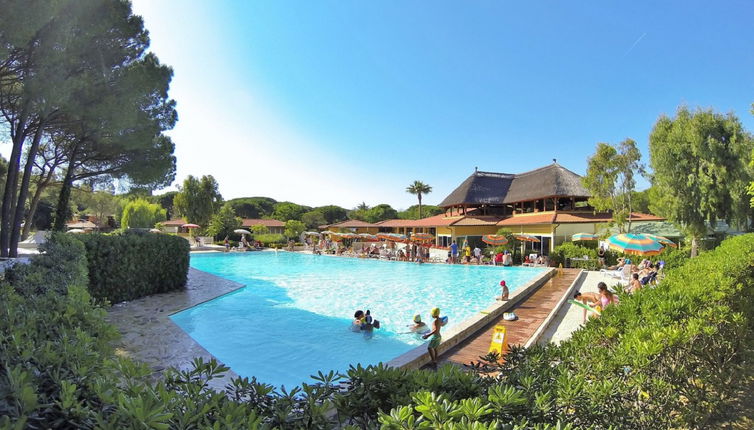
x=241, y=231
x=76, y=231
x=155, y=230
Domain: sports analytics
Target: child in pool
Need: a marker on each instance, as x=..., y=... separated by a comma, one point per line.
x=418, y=325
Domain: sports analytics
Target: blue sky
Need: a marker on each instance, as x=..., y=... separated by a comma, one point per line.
x=348, y=101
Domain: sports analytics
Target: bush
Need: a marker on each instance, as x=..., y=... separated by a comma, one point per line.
x=140, y=213
x=61, y=264
x=569, y=250
x=132, y=265
x=270, y=239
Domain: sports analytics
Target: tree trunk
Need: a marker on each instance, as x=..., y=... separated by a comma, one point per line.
x=420, y=205
x=694, y=247
x=44, y=181
x=24, y=192
x=61, y=211
x=9, y=196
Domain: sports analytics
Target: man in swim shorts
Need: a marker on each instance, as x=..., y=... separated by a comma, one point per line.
x=436, y=338
x=454, y=252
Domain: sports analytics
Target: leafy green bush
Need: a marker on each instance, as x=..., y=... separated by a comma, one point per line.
x=61, y=264
x=569, y=250
x=140, y=213
x=270, y=239
x=132, y=265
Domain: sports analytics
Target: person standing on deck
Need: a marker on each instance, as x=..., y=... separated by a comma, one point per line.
x=453, y=252
x=436, y=338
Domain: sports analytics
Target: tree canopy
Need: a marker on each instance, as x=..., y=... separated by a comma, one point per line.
x=700, y=170
x=198, y=199
x=413, y=212
x=285, y=211
x=610, y=178
x=142, y=214
x=224, y=222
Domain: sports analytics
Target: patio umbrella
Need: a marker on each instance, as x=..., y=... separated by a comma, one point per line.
x=494, y=239
x=663, y=240
x=190, y=226
x=311, y=233
x=636, y=244
x=241, y=231
x=395, y=237
x=155, y=230
x=422, y=236
x=76, y=231
x=368, y=237
x=584, y=236
x=526, y=238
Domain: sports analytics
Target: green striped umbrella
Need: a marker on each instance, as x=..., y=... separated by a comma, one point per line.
x=636, y=244
x=584, y=236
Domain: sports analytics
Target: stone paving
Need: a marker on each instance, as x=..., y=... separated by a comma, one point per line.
x=150, y=336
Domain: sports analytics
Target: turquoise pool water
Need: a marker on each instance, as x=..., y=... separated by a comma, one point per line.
x=293, y=317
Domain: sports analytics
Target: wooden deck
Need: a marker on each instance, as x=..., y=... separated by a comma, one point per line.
x=531, y=312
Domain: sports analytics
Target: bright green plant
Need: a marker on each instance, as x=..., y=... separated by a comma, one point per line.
x=293, y=229
x=142, y=214
x=224, y=222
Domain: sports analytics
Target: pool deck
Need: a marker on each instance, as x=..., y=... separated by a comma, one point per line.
x=534, y=314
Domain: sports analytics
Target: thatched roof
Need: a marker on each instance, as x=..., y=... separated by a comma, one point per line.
x=498, y=188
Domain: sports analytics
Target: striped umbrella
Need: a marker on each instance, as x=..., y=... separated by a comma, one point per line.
x=422, y=236
x=368, y=237
x=526, y=238
x=584, y=236
x=636, y=244
x=494, y=239
x=663, y=240
x=395, y=237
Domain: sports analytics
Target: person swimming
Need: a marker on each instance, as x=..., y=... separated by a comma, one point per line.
x=364, y=321
x=418, y=325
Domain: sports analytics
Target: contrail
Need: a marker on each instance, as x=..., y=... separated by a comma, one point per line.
x=635, y=43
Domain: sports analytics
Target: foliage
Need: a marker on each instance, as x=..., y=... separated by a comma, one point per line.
x=313, y=219
x=610, y=178
x=374, y=214
x=699, y=167
x=224, y=222
x=253, y=207
x=285, y=211
x=259, y=229
x=166, y=201
x=640, y=201
x=142, y=214
x=198, y=199
x=134, y=264
x=270, y=239
x=413, y=212
x=293, y=229
x=61, y=264
x=322, y=215
x=569, y=250
x=79, y=83
x=101, y=204
x=418, y=188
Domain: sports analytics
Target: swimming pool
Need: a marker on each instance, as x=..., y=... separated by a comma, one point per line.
x=293, y=317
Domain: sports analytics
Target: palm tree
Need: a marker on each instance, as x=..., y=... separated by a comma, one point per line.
x=419, y=188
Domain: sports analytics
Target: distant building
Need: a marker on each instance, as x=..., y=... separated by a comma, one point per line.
x=273, y=225
x=549, y=203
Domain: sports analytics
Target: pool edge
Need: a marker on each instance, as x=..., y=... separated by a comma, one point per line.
x=418, y=356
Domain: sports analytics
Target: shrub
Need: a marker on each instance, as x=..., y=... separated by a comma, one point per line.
x=132, y=265
x=569, y=250
x=270, y=239
x=142, y=214
x=61, y=264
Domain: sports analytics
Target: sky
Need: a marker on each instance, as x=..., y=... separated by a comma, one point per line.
x=343, y=102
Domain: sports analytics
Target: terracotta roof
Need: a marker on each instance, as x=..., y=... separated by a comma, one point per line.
x=398, y=223
x=570, y=218
x=352, y=223
x=178, y=221
x=436, y=221
x=545, y=218
x=499, y=188
x=477, y=220
x=250, y=222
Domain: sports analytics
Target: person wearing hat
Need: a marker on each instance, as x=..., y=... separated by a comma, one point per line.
x=436, y=338
x=418, y=325
x=505, y=293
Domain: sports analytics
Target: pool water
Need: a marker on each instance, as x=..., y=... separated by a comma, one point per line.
x=294, y=316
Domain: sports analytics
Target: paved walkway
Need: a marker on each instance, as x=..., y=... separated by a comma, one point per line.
x=150, y=336
x=531, y=313
x=570, y=317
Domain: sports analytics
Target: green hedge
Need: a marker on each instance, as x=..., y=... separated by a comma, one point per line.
x=131, y=265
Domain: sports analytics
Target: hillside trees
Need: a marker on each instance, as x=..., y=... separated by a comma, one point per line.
x=700, y=168
x=198, y=199
x=285, y=211
x=77, y=71
x=224, y=222
x=610, y=178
